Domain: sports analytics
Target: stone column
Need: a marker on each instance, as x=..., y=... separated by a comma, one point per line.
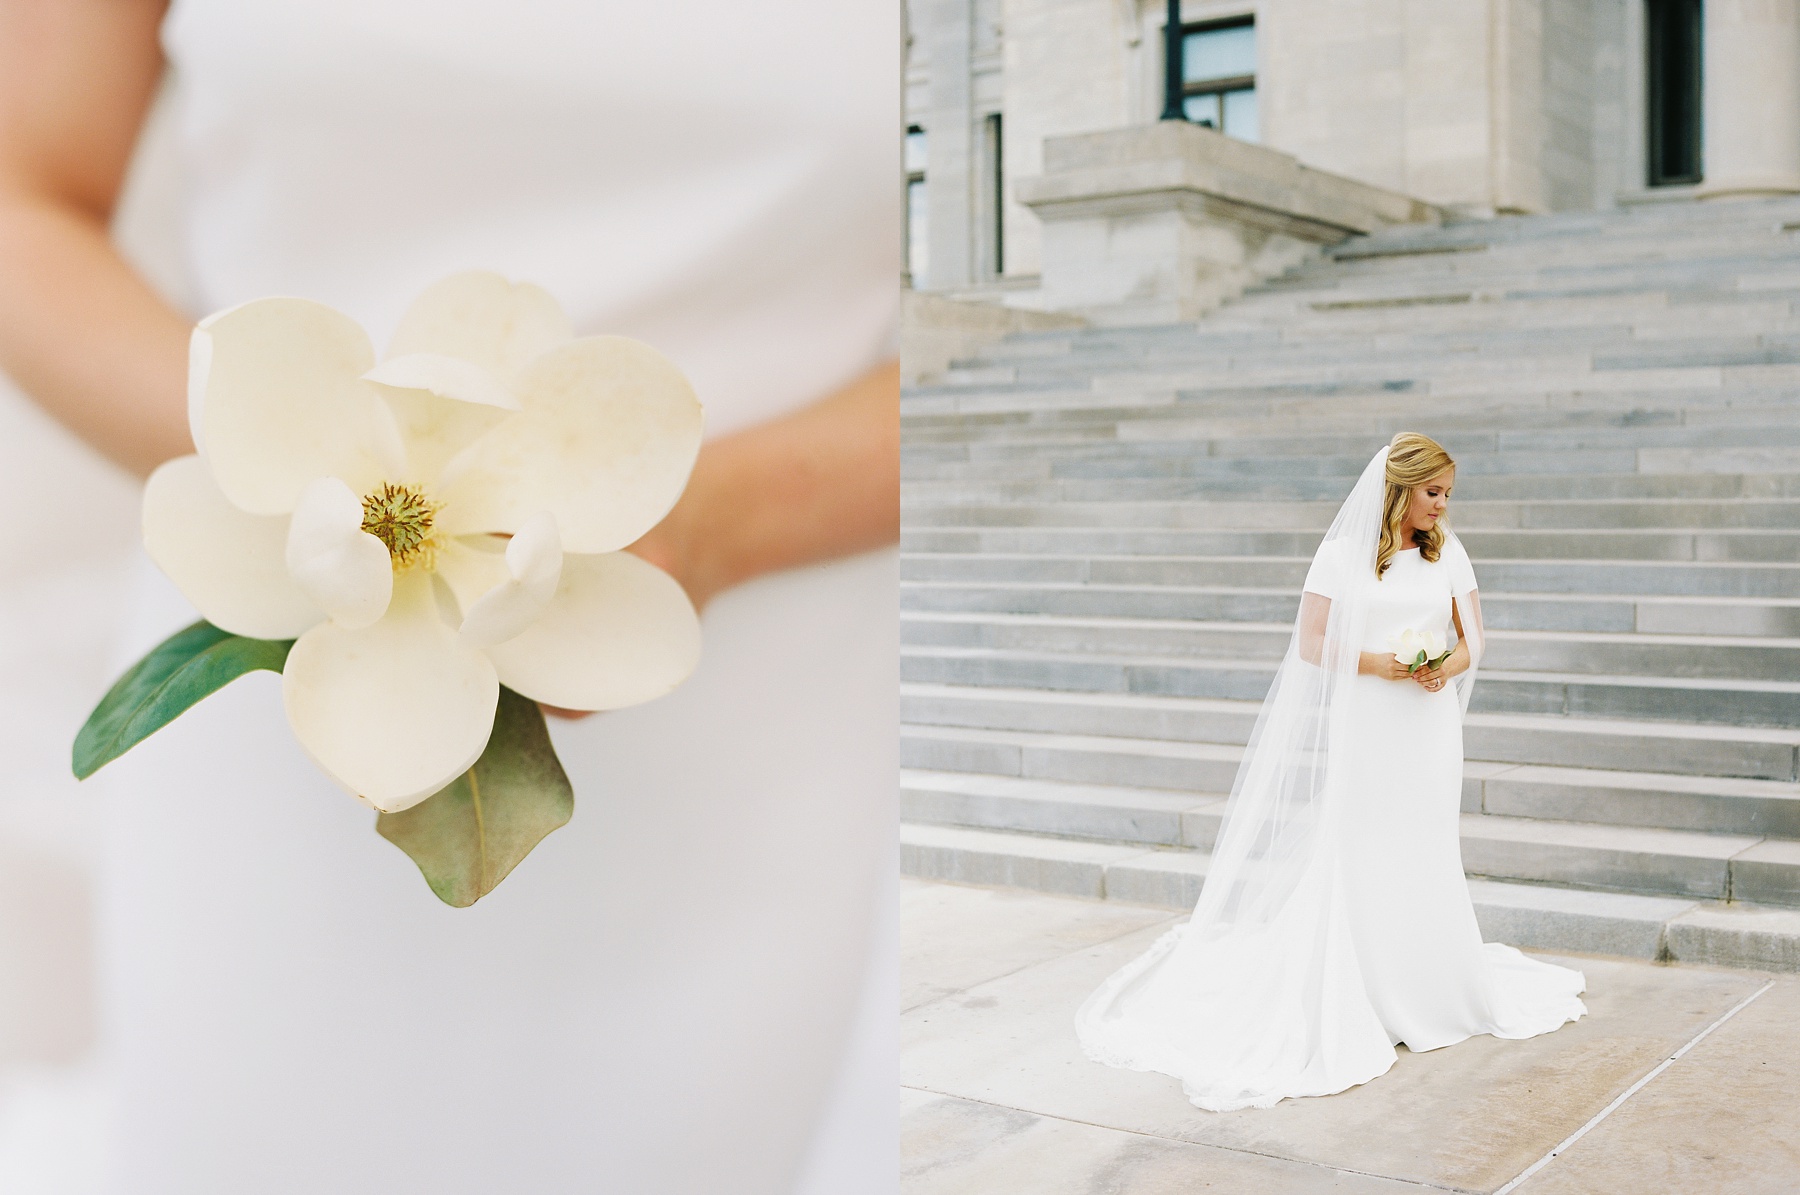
x=949, y=146
x=1751, y=81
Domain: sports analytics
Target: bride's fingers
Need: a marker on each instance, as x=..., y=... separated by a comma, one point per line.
x=556, y=711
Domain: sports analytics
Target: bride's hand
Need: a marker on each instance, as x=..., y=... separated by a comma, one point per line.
x=1383, y=665
x=1430, y=679
x=813, y=485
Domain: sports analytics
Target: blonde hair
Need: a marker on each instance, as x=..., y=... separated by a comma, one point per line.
x=1412, y=461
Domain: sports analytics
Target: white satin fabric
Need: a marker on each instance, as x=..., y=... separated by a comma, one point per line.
x=662, y=997
x=1372, y=939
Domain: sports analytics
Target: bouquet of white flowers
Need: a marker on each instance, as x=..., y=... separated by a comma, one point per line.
x=1419, y=649
x=425, y=548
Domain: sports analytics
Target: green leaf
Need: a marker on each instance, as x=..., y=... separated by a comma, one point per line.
x=186, y=667
x=467, y=836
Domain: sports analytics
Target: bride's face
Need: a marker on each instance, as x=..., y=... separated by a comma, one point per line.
x=1429, y=501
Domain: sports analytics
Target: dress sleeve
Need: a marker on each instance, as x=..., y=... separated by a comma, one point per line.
x=1326, y=574
x=1462, y=573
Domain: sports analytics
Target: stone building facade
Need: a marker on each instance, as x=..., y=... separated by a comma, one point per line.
x=1474, y=107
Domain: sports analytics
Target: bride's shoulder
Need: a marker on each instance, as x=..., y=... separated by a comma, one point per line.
x=1331, y=565
x=1456, y=562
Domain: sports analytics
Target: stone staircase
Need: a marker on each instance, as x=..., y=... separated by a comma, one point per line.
x=1105, y=532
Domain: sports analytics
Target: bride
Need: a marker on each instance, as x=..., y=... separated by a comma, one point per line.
x=1335, y=922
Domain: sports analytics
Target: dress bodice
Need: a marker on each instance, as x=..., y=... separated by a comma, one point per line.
x=1413, y=594
x=728, y=197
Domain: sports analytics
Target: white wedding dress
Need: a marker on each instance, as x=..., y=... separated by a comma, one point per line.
x=664, y=997
x=1377, y=943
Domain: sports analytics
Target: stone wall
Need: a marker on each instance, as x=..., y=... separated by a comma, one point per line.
x=1473, y=105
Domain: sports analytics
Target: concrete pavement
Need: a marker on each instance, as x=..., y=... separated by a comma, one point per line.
x=997, y=1097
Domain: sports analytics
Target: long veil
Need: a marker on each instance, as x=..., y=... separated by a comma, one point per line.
x=1236, y=957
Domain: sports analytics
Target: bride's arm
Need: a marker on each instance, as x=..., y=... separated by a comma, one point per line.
x=1458, y=661
x=79, y=330
x=1315, y=614
x=95, y=347
x=819, y=483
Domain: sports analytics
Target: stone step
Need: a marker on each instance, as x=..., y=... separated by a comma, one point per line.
x=1174, y=430
x=1671, y=656
x=1586, y=794
x=1492, y=273
x=1192, y=382
x=1477, y=383
x=1162, y=764
x=1530, y=915
x=1034, y=485
x=1668, y=748
x=1777, y=545
x=1688, y=699
x=1259, y=324
x=1676, y=420
x=1192, y=440
x=1259, y=330
x=1595, y=348
x=1611, y=577
x=1646, y=860
x=944, y=442
x=1197, y=441
x=1471, y=514
x=1779, y=452
x=1651, y=614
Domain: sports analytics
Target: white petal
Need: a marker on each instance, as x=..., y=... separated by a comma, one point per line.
x=343, y=568
x=482, y=318
x=231, y=565
x=276, y=398
x=435, y=429
x=199, y=368
x=605, y=441
x=619, y=632
x=394, y=711
x=534, y=561
x=471, y=567
x=448, y=377
x=387, y=440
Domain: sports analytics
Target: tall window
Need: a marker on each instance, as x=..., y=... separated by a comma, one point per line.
x=1672, y=39
x=1218, y=76
x=997, y=164
x=916, y=243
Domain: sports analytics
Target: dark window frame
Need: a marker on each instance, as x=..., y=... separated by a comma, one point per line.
x=1221, y=84
x=994, y=127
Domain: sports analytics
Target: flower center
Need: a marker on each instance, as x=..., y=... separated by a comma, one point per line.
x=400, y=517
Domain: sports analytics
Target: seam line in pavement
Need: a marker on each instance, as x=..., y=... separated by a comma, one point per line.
x=1601, y=1115
x=1236, y=1149
x=1172, y=915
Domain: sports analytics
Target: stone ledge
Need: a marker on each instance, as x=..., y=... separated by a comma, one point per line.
x=1149, y=163
x=1161, y=223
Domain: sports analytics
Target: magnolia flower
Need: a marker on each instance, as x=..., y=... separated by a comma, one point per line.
x=1408, y=645
x=432, y=526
